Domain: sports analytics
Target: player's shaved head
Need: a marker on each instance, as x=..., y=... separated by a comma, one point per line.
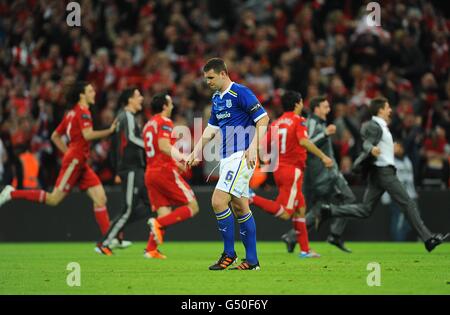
x=216, y=64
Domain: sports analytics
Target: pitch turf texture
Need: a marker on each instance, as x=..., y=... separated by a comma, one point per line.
x=41, y=268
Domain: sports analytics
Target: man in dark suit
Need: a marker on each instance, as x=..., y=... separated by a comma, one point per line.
x=376, y=162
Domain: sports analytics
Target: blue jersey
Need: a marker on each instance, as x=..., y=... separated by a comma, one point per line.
x=235, y=112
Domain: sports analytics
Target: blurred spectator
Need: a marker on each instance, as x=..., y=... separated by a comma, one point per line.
x=436, y=150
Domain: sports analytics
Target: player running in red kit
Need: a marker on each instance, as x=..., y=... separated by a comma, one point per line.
x=77, y=126
x=166, y=187
x=293, y=146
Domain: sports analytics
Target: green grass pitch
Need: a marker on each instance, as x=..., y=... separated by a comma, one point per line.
x=40, y=268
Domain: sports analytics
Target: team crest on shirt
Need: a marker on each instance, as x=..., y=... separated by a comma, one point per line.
x=228, y=104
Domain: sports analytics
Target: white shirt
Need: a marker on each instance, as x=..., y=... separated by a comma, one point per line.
x=386, y=145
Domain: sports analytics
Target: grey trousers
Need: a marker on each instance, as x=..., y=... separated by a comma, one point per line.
x=135, y=203
x=383, y=179
x=339, y=194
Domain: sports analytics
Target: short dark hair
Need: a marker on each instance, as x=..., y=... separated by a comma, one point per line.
x=376, y=104
x=125, y=96
x=158, y=102
x=74, y=91
x=217, y=64
x=315, y=102
x=289, y=99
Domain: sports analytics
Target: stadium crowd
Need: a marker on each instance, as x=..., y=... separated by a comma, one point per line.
x=314, y=47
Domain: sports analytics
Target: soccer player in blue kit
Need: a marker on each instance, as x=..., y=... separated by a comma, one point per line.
x=241, y=121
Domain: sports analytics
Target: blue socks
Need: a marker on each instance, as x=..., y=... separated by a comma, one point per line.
x=225, y=220
x=247, y=228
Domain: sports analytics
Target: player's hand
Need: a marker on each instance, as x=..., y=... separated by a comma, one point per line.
x=375, y=151
x=191, y=160
x=250, y=157
x=330, y=130
x=113, y=126
x=327, y=162
x=181, y=166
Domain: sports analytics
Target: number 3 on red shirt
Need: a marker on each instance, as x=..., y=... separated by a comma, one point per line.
x=150, y=149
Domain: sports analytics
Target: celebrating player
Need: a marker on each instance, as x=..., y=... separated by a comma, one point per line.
x=77, y=126
x=235, y=112
x=166, y=187
x=293, y=139
x=322, y=185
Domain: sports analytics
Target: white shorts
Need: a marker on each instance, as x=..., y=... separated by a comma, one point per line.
x=234, y=175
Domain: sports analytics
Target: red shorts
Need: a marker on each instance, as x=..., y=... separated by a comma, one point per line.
x=289, y=181
x=166, y=188
x=75, y=171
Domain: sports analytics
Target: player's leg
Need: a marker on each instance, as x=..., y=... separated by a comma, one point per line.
x=225, y=221
x=239, y=192
x=90, y=182
x=298, y=221
x=247, y=231
x=151, y=251
x=176, y=191
x=128, y=183
x=69, y=174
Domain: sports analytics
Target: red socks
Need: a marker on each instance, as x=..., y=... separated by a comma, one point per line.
x=302, y=233
x=102, y=218
x=178, y=215
x=30, y=195
x=151, y=245
x=268, y=205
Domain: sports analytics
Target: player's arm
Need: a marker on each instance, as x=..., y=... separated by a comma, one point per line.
x=58, y=141
x=167, y=148
x=208, y=134
x=319, y=137
x=90, y=134
x=252, y=154
x=129, y=129
x=312, y=148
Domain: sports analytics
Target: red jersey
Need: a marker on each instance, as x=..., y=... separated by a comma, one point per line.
x=291, y=129
x=158, y=127
x=72, y=124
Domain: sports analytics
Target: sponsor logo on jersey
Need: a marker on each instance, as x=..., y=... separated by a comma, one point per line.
x=167, y=128
x=223, y=115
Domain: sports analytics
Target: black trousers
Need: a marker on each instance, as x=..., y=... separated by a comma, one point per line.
x=135, y=204
x=383, y=179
